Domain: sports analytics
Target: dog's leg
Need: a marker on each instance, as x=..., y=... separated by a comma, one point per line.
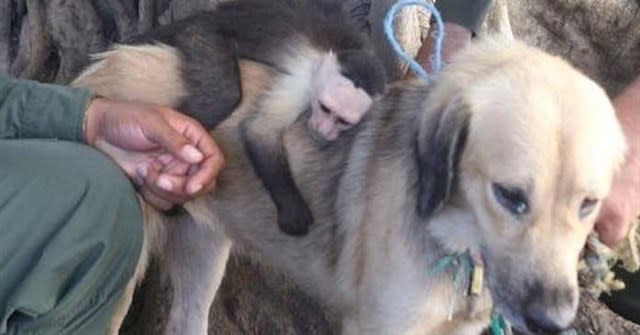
x=195, y=260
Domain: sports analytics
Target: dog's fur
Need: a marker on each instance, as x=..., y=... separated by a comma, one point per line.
x=500, y=112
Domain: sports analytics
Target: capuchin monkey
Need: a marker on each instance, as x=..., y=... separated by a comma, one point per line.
x=326, y=71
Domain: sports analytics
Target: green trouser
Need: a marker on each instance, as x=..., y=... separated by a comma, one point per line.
x=70, y=223
x=70, y=237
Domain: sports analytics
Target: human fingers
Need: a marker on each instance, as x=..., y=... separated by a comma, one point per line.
x=169, y=134
x=202, y=177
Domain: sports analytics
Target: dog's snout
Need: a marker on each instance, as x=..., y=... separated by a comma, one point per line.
x=549, y=310
x=541, y=323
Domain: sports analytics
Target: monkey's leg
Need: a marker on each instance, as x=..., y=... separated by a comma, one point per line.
x=265, y=149
x=195, y=258
x=349, y=326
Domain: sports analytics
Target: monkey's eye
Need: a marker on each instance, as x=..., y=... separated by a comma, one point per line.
x=344, y=122
x=325, y=109
x=513, y=199
x=587, y=207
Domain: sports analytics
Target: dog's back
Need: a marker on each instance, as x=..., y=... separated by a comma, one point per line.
x=501, y=113
x=369, y=239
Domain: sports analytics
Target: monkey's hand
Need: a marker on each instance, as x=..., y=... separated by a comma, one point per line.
x=294, y=217
x=170, y=156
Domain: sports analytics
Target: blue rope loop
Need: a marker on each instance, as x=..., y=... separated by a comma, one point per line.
x=390, y=34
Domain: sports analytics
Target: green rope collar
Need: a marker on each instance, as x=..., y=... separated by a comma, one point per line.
x=467, y=279
x=499, y=326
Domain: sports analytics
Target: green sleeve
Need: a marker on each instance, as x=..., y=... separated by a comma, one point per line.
x=29, y=109
x=467, y=13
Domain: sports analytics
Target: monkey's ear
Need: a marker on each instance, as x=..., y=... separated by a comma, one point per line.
x=441, y=143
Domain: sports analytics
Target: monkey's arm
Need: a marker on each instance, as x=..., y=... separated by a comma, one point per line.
x=265, y=149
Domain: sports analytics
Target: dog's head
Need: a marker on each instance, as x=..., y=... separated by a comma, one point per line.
x=516, y=152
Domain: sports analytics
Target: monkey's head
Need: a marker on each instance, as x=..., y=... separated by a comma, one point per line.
x=343, y=85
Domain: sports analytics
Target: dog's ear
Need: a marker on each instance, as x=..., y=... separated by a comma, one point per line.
x=439, y=150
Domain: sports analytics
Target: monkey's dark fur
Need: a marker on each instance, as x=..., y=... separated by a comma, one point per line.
x=211, y=43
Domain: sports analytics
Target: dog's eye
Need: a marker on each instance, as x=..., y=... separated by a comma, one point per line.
x=513, y=199
x=587, y=207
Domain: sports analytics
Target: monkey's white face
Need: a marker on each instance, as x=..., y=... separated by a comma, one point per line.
x=337, y=104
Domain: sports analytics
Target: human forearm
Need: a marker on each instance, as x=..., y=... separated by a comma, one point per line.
x=29, y=109
x=623, y=204
x=457, y=37
x=462, y=20
x=627, y=105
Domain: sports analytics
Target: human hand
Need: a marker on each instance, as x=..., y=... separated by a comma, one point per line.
x=623, y=204
x=170, y=156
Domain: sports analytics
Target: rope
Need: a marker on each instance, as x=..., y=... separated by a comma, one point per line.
x=389, y=31
x=463, y=264
x=499, y=325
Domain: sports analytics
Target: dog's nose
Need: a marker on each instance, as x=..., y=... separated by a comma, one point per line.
x=540, y=323
x=549, y=309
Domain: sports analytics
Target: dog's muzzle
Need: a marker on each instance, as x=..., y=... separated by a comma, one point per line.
x=549, y=310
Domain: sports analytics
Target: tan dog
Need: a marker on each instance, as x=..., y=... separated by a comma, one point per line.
x=507, y=155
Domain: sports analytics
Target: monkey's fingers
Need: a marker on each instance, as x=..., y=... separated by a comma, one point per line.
x=173, y=166
x=164, y=185
x=155, y=200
